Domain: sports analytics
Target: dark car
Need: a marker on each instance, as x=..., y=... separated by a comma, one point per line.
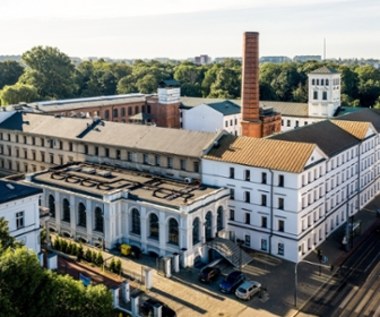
x=231, y=282
x=147, y=308
x=209, y=274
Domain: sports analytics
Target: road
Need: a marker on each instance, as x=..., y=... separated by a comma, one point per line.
x=355, y=289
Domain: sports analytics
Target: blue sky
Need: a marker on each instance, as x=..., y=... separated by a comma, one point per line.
x=183, y=28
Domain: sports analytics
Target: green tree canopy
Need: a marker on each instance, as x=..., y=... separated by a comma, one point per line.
x=10, y=71
x=17, y=93
x=26, y=289
x=50, y=71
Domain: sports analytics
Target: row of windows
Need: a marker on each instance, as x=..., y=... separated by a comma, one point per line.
x=289, y=124
x=320, y=82
x=230, y=122
x=247, y=177
x=130, y=110
x=316, y=95
x=82, y=216
x=264, y=221
x=173, y=232
x=148, y=159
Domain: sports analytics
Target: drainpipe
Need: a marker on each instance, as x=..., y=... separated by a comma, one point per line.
x=271, y=211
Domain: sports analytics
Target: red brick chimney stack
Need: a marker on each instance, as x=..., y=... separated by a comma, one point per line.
x=250, y=76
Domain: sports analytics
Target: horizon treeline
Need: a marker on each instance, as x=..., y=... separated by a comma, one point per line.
x=45, y=73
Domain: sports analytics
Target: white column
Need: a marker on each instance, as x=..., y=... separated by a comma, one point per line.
x=144, y=230
x=73, y=215
x=162, y=233
x=107, y=224
x=58, y=208
x=183, y=236
x=89, y=225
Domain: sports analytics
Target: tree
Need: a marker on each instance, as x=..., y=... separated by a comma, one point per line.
x=190, y=77
x=10, y=71
x=17, y=93
x=26, y=289
x=226, y=85
x=50, y=71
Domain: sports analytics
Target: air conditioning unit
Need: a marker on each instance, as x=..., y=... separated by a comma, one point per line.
x=188, y=180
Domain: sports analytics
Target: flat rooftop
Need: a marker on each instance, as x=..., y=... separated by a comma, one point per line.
x=102, y=180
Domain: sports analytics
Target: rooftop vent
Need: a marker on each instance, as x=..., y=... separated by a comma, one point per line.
x=88, y=170
x=74, y=168
x=104, y=173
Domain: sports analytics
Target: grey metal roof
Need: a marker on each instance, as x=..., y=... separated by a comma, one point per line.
x=324, y=70
x=11, y=191
x=225, y=107
x=133, y=136
x=329, y=137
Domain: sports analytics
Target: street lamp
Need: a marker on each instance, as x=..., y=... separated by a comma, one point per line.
x=295, y=275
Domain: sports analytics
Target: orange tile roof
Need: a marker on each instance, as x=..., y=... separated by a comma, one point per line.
x=265, y=153
x=356, y=128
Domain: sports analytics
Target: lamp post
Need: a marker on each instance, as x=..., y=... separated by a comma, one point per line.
x=296, y=277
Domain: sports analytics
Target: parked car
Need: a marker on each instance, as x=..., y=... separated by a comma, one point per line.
x=209, y=274
x=248, y=289
x=147, y=308
x=231, y=282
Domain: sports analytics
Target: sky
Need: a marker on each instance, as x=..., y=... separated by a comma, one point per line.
x=180, y=29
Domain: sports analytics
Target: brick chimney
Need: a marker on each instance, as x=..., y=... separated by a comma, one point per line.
x=251, y=123
x=255, y=123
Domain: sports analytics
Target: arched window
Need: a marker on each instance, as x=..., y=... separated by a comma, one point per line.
x=107, y=114
x=115, y=113
x=99, y=219
x=208, y=226
x=327, y=82
x=136, y=223
x=66, y=210
x=52, y=206
x=137, y=110
x=196, y=231
x=154, y=227
x=219, y=219
x=173, y=231
x=82, y=219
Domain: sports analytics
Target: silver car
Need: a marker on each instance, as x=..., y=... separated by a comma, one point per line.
x=248, y=289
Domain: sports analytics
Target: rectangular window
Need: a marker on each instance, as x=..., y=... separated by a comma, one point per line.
x=264, y=244
x=226, y=124
x=264, y=222
x=280, y=180
x=232, y=214
x=247, y=175
x=232, y=172
x=183, y=164
x=232, y=193
x=247, y=240
x=281, y=203
x=157, y=160
x=281, y=225
x=263, y=178
x=20, y=220
x=85, y=149
x=129, y=156
x=145, y=158
x=51, y=158
x=196, y=166
x=70, y=146
x=263, y=200
x=288, y=123
x=118, y=154
x=96, y=150
x=280, y=249
x=170, y=162
x=247, y=197
x=107, y=152
x=248, y=218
